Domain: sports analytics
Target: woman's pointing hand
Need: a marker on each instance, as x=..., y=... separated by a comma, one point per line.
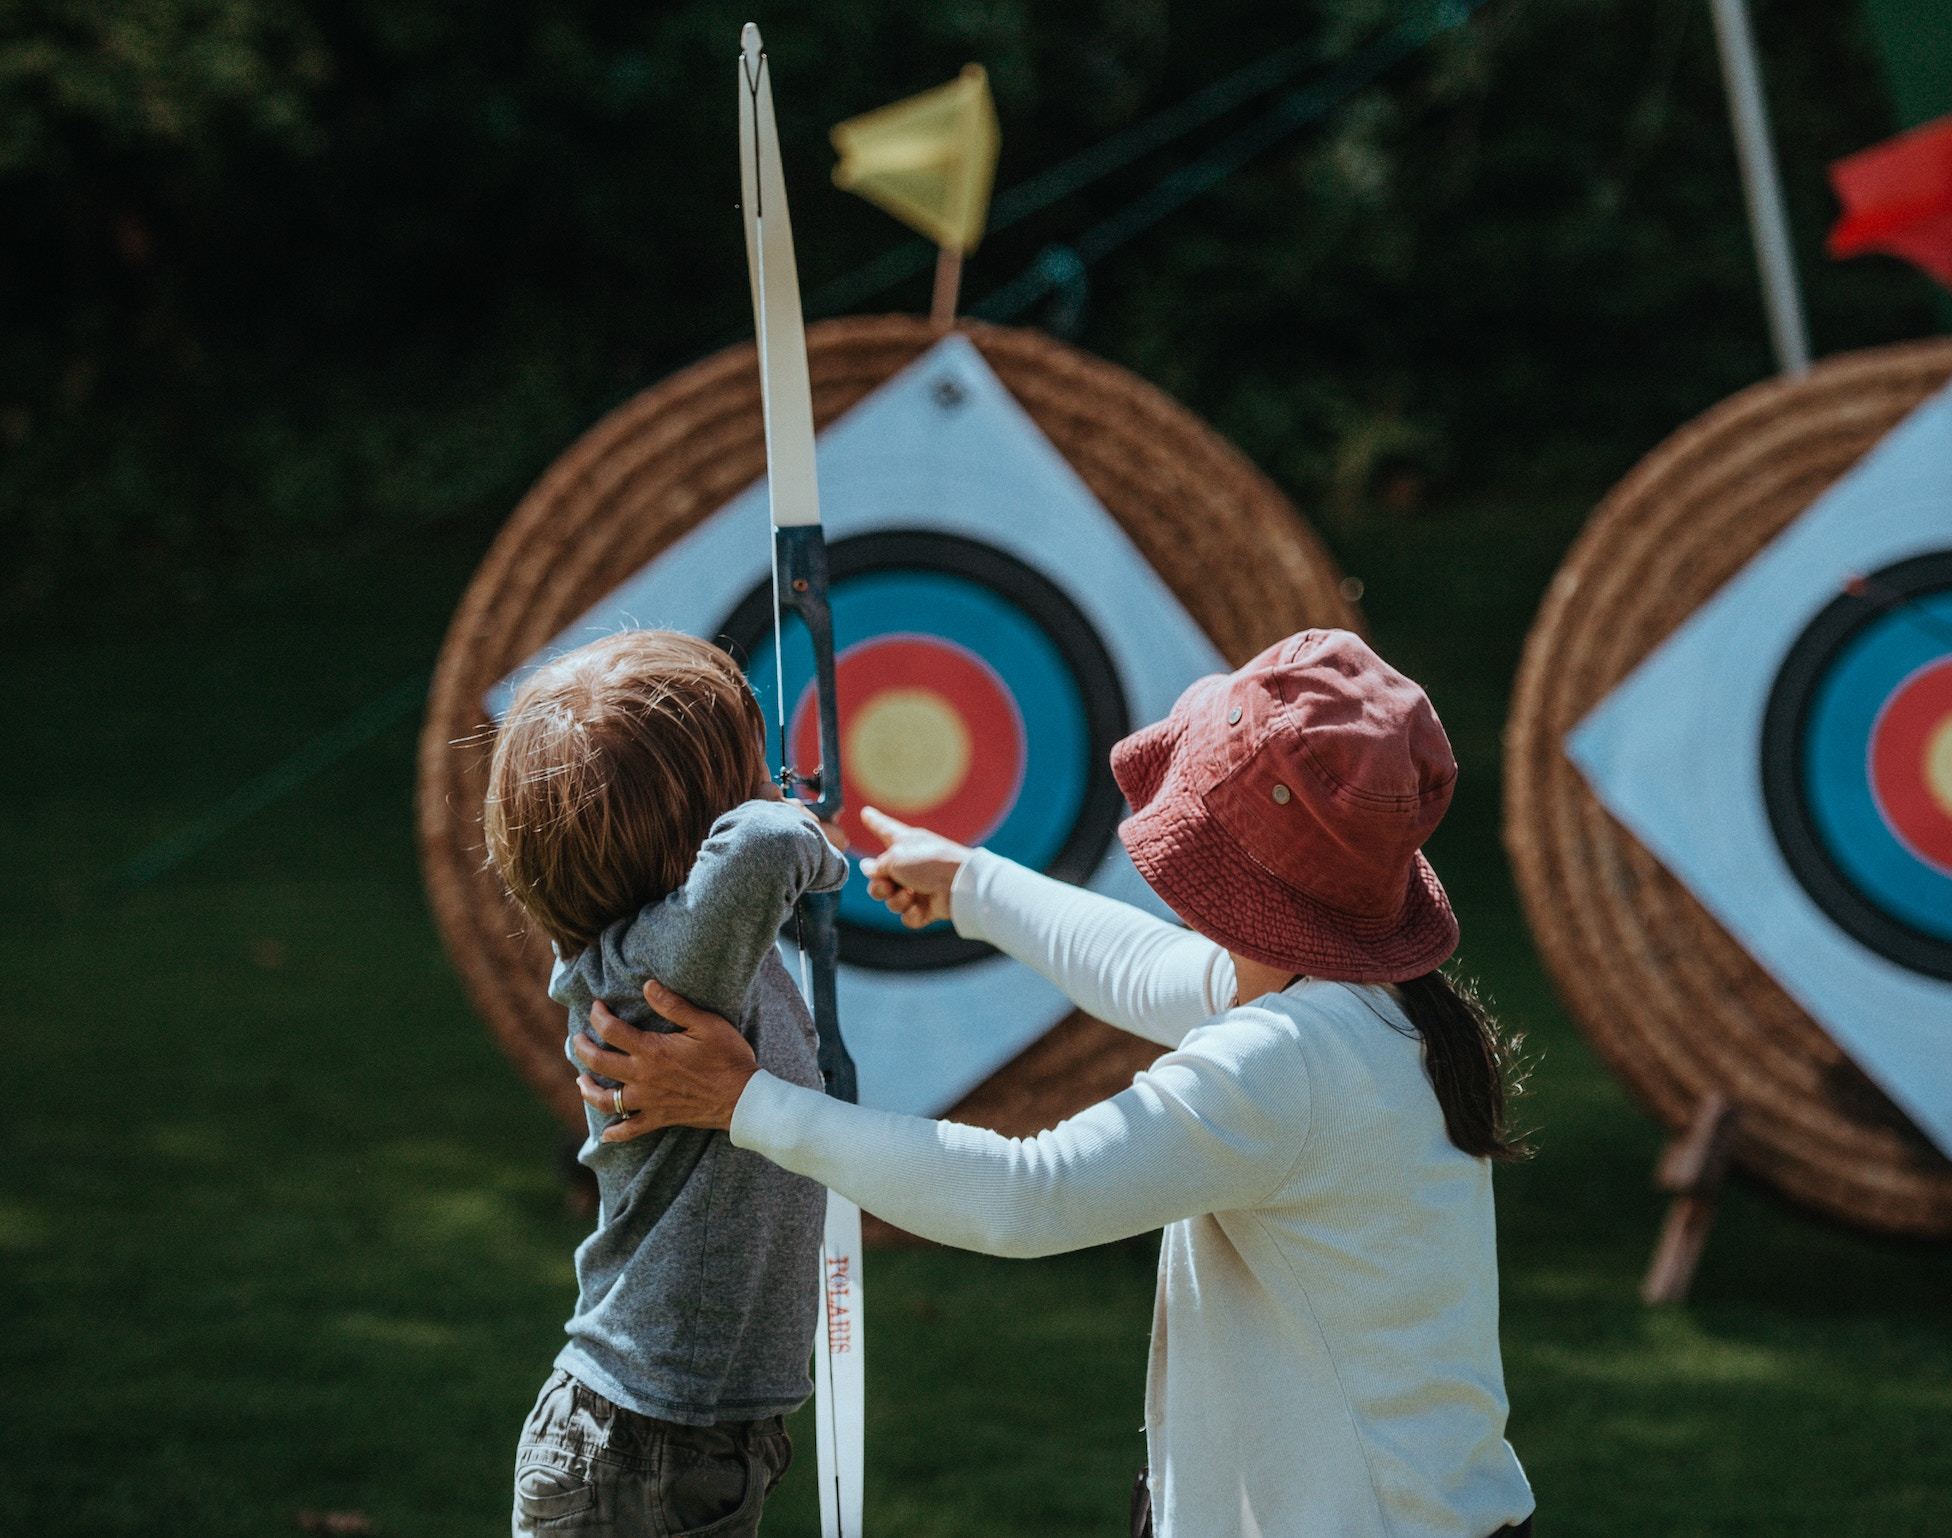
x=915, y=873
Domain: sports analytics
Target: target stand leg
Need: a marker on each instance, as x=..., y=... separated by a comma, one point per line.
x=1692, y=1168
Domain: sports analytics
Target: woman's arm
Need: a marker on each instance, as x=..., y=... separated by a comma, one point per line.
x=1114, y=962
x=1218, y=1125
x=1111, y=960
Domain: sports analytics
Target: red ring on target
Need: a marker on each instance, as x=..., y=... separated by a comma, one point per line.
x=929, y=734
x=1911, y=763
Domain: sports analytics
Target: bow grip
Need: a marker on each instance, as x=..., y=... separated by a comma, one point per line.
x=802, y=553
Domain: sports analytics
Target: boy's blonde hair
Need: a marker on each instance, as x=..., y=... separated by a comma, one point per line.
x=611, y=766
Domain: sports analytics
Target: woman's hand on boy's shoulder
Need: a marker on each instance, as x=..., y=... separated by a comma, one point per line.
x=688, y=1077
x=916, y=873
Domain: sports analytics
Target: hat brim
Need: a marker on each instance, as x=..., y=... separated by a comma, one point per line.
x=1223, y=893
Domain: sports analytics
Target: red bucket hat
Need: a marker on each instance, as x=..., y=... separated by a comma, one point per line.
x=1281, y=809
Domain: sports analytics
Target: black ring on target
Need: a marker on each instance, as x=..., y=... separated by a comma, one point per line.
x=1883, y=609
x=1072, y=852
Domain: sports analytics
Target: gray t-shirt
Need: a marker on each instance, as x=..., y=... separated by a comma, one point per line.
x=698, y=1292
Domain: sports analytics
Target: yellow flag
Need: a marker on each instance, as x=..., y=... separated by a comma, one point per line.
x=929, y=160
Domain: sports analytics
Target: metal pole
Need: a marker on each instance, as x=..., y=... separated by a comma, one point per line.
x=1762, y=186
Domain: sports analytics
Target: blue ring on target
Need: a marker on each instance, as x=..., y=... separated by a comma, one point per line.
x=1836, y=795
x=1024, y=708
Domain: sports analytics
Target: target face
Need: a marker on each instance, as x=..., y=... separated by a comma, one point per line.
x=974, y=700
x=1857, y=762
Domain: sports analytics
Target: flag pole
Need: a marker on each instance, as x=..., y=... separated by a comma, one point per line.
x=1761, y=186
x=948, y=287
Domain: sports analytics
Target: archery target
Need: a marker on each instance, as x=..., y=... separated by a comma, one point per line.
x=975, y=699
x=1031, y=548
x=996, y=632
x=1857, y=756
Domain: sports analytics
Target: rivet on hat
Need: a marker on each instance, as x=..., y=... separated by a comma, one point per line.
x=1281, y=795
x=1233, y=716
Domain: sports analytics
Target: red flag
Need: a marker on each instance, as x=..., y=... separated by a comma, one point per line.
x=1897, y=198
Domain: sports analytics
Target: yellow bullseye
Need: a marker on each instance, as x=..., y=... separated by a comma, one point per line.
x=1938, y=765
x=907, y=750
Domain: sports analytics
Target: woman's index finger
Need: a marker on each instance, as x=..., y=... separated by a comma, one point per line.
x=883, y=824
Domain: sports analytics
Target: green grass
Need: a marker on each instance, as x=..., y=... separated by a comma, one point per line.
x=279, y=1229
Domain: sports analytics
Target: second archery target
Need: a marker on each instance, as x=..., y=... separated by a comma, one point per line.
x=1032, y=552
x=1729, y=782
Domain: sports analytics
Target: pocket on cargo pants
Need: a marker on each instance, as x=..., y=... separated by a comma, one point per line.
x=580, y=1467
x=556, y=1498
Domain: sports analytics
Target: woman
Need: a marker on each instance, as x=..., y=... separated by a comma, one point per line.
x=1317, y=1142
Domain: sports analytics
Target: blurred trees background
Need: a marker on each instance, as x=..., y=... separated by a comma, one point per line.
x=276, y=273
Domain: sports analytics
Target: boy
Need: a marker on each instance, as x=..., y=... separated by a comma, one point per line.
x=630, y=814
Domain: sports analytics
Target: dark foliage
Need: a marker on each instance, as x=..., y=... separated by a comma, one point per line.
x=277, y=271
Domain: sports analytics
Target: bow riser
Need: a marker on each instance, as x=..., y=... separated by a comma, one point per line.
x=800, y=567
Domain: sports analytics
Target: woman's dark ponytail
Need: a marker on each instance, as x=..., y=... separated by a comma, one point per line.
x=1473, y=1064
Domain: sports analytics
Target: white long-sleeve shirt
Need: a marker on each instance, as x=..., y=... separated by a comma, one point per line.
x=1325, y=1343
